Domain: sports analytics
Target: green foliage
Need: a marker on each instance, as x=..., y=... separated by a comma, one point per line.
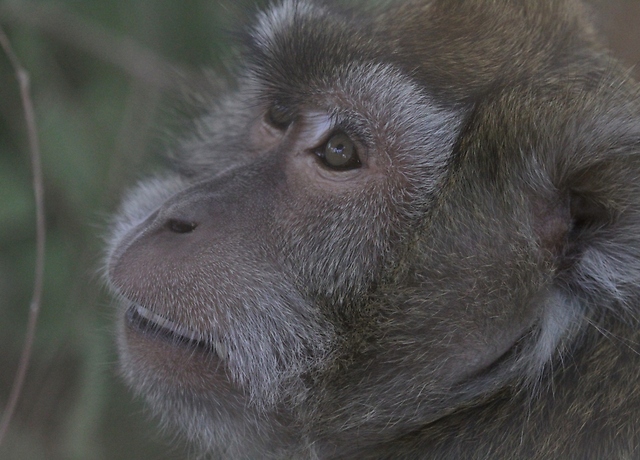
x=97, y=127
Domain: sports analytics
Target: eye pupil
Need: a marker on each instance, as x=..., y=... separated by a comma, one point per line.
x=340, y=152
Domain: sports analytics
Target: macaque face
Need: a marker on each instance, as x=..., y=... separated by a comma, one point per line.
x=355, y=243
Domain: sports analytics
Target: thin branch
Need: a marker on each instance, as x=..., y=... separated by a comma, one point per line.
x=38, y=190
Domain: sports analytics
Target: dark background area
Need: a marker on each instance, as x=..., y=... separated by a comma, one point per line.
x=104, y=114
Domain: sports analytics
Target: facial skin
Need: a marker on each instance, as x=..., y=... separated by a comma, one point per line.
x=406, y=233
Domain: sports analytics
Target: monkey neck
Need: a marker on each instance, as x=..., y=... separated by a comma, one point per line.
x=578, y=402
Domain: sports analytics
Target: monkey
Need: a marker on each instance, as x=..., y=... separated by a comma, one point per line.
x=408, y=230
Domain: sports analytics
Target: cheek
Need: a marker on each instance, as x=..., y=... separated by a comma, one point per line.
x=335, y=246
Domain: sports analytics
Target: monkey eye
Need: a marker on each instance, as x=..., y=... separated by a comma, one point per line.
x=279, y=116
x=339, y=152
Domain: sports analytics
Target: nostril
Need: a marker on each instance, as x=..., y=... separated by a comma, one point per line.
x=180, y=226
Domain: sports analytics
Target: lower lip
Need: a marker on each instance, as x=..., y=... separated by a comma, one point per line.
x=167, y=360
x=145, y=326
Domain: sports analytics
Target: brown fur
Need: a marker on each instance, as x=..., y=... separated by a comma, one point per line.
x=467, y=287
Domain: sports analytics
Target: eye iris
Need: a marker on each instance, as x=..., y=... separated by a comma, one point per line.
x=340, y=152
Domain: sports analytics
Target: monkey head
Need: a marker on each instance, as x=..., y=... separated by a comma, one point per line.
x=392, y=219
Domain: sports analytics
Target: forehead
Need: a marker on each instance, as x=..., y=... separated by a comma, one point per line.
x=300, y=42
x=303, y=53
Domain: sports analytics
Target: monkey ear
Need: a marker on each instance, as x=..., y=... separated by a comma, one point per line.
x=598, y=174
x=552, y=223
x=587, y=224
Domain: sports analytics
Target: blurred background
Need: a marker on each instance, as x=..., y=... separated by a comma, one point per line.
x=106, y=105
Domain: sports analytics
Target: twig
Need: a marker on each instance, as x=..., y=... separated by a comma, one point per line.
x=38, y=190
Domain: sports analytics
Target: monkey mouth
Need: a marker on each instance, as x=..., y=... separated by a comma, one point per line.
x=159, y=327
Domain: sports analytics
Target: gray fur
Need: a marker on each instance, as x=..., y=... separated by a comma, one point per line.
x=470, y=291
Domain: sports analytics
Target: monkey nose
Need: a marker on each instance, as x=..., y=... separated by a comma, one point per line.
x=178, y=217
x=180, y=225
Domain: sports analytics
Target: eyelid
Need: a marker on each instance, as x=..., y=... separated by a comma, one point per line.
x=279, y=116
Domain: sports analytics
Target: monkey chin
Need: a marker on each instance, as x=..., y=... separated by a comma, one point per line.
x=187, y=384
